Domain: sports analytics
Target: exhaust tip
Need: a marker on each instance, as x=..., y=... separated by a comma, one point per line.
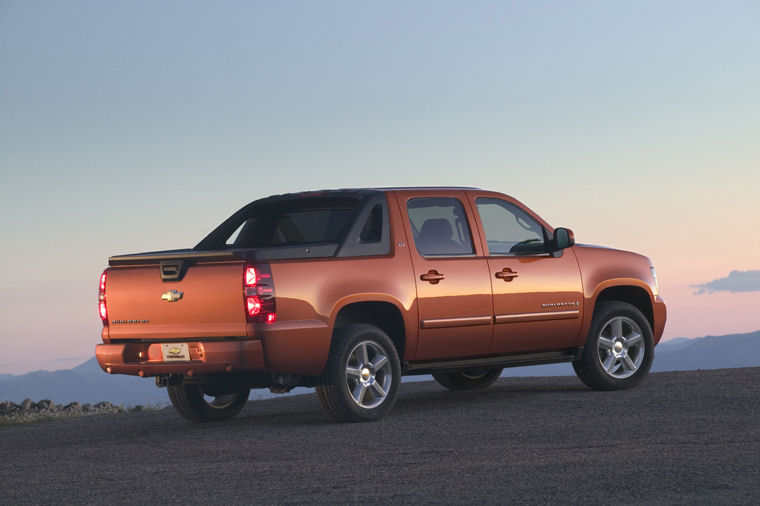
x=108, y=369
x=228, y=368
x=141, y=373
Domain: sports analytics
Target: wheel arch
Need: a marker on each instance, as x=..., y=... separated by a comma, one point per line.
x=383, y=313
x=634, y=295
x=632, y=291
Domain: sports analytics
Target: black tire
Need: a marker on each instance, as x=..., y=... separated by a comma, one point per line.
x=189, y=401
x=467, y=380
x=371, y=357
x=616, y=357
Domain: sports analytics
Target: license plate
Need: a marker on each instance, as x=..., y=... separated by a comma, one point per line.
x=175, y=352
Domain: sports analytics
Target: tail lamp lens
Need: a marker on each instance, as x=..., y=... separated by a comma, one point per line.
x=102, y=307
x=258, y=293
x=253, y=305
x=250, y=276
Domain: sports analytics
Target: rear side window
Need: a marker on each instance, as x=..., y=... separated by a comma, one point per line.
x=372, y=231
x=439, y=226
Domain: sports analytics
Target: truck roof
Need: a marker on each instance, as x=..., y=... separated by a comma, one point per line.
x=332, y=191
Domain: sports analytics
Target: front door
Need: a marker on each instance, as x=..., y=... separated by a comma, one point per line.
x=453, y=289
x=537, y=296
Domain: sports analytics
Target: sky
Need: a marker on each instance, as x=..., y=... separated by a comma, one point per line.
x=139, y=126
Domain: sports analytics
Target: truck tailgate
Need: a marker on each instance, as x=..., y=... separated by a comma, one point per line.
x=206, y=302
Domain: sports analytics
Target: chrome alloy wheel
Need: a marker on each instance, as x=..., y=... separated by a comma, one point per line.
x=473, y=375
x=621, y=347
x=368, y=374
x=219, y=401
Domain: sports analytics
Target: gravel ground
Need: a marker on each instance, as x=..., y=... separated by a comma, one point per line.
x=679, y=438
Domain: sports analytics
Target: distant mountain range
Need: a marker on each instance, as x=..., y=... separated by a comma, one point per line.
x=680, y=354
x=88, y=383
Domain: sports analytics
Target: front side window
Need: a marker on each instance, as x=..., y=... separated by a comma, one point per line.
x=509, y=230
x=439, y=226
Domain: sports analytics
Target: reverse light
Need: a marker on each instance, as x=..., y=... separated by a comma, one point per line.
x=250, y=276
x=102, y=307
x=258, y=293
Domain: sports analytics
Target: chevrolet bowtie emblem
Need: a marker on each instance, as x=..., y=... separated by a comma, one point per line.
x=172, y=296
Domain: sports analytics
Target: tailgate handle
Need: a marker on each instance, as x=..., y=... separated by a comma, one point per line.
x=172, y=270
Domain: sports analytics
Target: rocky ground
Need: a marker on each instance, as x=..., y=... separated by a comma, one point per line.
x=29, y=411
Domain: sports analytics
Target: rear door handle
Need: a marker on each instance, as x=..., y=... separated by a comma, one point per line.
x=432, y=276
x=506, y=274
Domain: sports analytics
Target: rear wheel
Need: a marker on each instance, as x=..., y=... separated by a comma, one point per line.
x=363, y=375
x=619, y=349
x=468, y=380
x=200, y=403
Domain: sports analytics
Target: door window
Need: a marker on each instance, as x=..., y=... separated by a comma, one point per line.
x=510, y=230
x=439, y=226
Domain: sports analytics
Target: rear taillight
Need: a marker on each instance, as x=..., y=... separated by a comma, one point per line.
x=250, y=276
x=102, y=308
x=258, y=293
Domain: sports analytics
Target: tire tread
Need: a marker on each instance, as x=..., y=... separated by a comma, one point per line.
x=188, y=401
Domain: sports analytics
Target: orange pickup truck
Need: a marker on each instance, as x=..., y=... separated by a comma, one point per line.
x=348, y=290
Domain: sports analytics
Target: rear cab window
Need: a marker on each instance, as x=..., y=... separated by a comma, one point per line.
x=307, y=225
x=295, y=223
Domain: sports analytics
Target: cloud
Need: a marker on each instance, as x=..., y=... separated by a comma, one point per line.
x=737, y=281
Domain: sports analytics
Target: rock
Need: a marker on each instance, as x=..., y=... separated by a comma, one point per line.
x=73, y=406
x=106, y=407
x=45, y=404
x=26, y=404
x=8, y=407
x=88, y=407
x=139, y=407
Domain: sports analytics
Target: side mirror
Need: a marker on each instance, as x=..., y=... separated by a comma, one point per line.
x=563, y=238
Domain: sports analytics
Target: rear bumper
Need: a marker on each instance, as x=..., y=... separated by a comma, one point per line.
x=146, y=359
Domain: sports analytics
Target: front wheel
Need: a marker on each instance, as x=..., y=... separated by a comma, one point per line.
x=619, y=349
x=200, y=403
x=467, y=380
x=363, y=374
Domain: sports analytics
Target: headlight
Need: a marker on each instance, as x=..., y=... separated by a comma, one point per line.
x=656, y=282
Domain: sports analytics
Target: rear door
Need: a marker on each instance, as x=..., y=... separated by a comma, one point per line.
x=537, y=297
x=453, y=287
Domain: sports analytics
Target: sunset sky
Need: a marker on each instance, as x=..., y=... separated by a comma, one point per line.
x=137, y=126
